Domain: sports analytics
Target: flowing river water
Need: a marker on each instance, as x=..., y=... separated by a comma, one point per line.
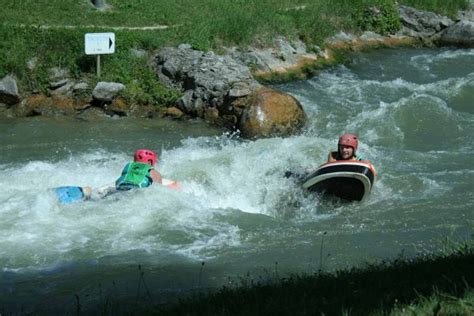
x=237, y=217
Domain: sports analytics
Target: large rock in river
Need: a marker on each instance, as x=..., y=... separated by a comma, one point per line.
x=269, y=113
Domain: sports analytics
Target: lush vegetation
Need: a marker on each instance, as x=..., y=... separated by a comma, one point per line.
x=53, y=32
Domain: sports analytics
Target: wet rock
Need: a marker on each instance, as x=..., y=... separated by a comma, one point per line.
x=211, y=115
x=270, y=113
x=460, y=34
x=118, y=107
x=80, y=103
x=92, y=114
x=46, y=106
x=106, y=91
x=173, y=112
x=148, y=111
x=9, y=91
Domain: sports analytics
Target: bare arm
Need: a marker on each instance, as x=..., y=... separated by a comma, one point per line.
x=155, y=176
x=330, y=157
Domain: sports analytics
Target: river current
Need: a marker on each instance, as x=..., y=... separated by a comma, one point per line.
x=238, y=218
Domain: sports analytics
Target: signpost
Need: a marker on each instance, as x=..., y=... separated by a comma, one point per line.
x=98, y=44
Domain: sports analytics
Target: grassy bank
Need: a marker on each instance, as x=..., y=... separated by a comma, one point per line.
x=51, y=33
x=428, y=285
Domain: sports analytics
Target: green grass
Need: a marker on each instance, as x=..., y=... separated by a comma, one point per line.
x=438, y=304
x=205, y=24
x=429, y=285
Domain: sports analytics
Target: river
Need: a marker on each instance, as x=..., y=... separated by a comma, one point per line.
x=237, y=218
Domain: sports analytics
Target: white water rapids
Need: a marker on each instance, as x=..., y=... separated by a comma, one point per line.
x=412, y=109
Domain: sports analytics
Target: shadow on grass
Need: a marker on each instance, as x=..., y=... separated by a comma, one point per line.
x=377, y=288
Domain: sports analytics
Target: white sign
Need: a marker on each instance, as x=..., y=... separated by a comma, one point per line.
x=99, y=43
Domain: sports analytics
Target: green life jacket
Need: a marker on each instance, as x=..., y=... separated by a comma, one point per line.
x=134, y=175
x=337, y=156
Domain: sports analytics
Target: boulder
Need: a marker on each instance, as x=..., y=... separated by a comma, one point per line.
x=204, y=77
x=9, y=91
x=424, y=23
x=460, y=34
x=269, y=113
x=106, y=91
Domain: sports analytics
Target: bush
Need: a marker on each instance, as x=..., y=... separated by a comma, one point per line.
x=382, y=19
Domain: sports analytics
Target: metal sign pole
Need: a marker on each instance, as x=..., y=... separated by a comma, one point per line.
x=98, y=44
x=98, y=66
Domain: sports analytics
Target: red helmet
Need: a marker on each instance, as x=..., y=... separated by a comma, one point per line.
x=348, y=140
x=145, y=156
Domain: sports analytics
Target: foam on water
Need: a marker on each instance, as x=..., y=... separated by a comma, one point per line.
x=216, y=174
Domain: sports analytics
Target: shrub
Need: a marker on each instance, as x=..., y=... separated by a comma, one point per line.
x=382, y=19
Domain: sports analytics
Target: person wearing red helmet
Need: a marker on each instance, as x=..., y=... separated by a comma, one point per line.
x=140, y=173
x=346, y=149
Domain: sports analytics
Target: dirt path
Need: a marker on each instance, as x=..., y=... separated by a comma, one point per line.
x=114, y=28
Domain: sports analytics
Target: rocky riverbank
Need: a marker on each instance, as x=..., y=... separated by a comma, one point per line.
x=226, y=89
